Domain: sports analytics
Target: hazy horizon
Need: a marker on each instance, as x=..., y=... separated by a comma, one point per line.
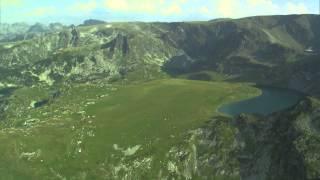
x=75, y=12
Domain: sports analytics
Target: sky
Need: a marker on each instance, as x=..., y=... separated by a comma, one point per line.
x=76, y=11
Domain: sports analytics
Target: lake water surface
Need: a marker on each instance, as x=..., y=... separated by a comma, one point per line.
x=271, y=100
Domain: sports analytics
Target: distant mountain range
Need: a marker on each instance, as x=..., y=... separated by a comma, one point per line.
x=255, y=49
x=23, y=31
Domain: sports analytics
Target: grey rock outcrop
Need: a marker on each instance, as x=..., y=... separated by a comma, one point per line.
x=75, y=36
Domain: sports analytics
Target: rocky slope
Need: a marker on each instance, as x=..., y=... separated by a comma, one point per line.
x=282, y=145
x=266, y=50
x=104, y=51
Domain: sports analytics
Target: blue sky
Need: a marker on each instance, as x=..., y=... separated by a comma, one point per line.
x=75, y=11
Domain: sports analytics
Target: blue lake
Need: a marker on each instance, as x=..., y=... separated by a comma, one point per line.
x=271, y=100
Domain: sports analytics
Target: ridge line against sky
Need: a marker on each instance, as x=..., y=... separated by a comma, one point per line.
x=75, y=11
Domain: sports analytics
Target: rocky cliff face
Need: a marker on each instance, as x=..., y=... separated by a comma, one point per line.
x=282, y=145
x=104, y=51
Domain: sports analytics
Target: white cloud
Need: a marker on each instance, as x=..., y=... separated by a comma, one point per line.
x=299, y=8
x=263, y=7
x=42, y=11
x=227, y=8
x=160, y=10
x=144, y=6
x=259, y=2
x=8, y=3
x=117, y=5
x=204, y=10
x=173, y=9
x=160, y=7
x=84, y=7
x=243, y=8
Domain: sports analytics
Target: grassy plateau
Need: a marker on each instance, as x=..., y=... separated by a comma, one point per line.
x=108, y=132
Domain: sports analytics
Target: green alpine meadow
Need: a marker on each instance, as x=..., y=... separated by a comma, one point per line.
x=119, y=130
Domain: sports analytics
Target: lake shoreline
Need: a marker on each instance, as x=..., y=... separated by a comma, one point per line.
x=271, y=99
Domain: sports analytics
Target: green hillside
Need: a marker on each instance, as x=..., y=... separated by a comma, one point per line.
x=95, y=132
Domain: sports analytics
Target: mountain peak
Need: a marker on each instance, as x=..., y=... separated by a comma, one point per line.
x=90, y=22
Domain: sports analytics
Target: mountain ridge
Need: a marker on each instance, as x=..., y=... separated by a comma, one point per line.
x=240, y=47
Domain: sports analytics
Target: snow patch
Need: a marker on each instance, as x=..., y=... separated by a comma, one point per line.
x=131, y=150
x=44, y=77
x=127, y=152
x=92, y=30
x=11, y=85
x=8, y=46
x=2, y=85
x=109, y=26
x=33, y=104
